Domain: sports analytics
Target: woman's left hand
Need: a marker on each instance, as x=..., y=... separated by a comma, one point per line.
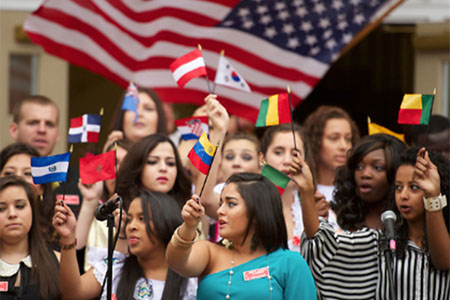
x=426, y=174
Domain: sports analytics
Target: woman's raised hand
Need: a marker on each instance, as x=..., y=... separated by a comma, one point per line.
x=192, y=212
x=115, y=135
x=64, y=222
x=301, y=174
x=218, y=117
x=426, y=174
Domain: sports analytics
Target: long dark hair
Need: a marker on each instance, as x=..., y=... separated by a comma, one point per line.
x=161, y=128
x=161, y=210
x=45, y=269
x=47, y=203
x=408, y=158
x=129, y=181
x=349, y=208
x=264, y=209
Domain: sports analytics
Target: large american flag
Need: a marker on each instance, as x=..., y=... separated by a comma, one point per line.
x=273, y=43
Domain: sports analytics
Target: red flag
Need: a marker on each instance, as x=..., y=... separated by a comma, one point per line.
x=95, y=168
x=272, y=43
x=188, y=67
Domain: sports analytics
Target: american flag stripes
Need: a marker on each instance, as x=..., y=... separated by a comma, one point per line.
x=272, y=43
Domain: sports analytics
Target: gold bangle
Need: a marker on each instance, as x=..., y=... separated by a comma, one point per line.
x=178, y=242
x=68, y=247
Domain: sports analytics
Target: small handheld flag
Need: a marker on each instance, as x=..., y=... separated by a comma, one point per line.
x=274, y=111
x=279, y=179
x=50, y=168
x=95, y=168
x=202, y=154
x=375, y=128
x=84, y=129
x=188, y=67
x=415, y=109
x=227, y=75
x=193, y=127
x=131, y=99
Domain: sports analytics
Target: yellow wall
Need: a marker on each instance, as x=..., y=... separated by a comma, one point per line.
x=53, y=76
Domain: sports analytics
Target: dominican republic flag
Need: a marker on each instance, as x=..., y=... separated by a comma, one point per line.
x=188, y=67
x=192, y=128
x=131, y=99
x=227, y=75
x=85, y=129
x=50, y=168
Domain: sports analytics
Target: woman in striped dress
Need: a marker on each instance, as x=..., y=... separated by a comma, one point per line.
x=352, y=265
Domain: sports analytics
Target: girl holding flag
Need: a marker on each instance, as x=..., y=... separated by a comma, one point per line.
x=354, y=264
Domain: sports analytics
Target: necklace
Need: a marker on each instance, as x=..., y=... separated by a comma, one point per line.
x=231, y=273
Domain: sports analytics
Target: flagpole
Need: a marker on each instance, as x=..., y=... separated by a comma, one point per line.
x=209, y=170
x=428, y=125
x=101, y=115
x=222, y=53
x=292, y=117
x=63, y=189
x=115, y=166
x=207, y=80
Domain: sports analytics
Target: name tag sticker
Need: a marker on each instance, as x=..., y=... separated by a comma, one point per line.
x=257, y=273
x=69, y=199
x=3, y=286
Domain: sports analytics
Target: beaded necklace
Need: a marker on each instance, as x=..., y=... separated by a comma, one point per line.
x=231, y=272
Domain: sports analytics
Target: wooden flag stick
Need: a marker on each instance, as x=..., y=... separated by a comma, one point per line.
x=207, y=80
x=209, y=170
x=98, y=144
x=292, y=117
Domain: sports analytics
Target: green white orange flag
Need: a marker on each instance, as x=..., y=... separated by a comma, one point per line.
x=274, y=111
x=375, y=128
x=415, y=109
x=276, y=177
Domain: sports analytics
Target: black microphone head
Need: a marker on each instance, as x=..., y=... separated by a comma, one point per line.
x=388, y=214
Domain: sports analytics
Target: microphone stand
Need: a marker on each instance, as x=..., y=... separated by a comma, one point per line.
x=389, y=268
x=110, y=224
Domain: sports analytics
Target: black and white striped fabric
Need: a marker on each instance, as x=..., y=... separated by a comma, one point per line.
x=344, y=266
x=414, y=278
x=350, y=266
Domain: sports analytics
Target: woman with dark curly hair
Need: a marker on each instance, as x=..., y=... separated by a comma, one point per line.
x=364, y=184
x=353, y=265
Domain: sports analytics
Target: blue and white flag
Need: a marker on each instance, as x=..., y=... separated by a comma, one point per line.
x=50, y=168
x=131, y=100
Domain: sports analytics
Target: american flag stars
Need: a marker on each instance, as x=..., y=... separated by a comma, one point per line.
x=307, y=27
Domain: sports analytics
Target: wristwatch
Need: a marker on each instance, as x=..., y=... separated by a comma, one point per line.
x=435, y=203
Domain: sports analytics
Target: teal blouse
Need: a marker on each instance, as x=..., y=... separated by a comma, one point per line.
x=290, y=279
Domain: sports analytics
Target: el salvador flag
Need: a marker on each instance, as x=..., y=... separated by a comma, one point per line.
x=50, y=168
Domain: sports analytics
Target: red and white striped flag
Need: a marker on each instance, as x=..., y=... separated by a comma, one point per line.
x=188, y=67
x=272, y=43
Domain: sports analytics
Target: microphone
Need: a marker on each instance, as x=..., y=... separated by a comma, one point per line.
x=107, y=208
x=388, y=218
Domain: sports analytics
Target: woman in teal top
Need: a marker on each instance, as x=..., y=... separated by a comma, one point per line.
x=255, y=264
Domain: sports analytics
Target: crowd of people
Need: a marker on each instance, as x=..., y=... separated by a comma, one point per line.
x=234, y=236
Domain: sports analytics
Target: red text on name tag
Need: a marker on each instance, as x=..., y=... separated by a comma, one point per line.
x=3, y=286
x=257, y=273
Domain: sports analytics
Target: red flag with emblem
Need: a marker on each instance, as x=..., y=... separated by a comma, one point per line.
x=95, y=168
